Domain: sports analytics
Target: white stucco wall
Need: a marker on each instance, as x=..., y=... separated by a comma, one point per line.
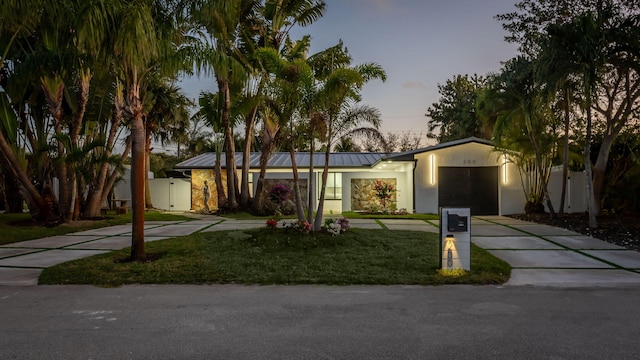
x=510, y=196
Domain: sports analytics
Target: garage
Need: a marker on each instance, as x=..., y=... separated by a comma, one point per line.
x=472, y=187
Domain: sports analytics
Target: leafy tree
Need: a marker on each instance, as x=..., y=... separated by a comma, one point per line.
x=600, y=35
x=454, y=115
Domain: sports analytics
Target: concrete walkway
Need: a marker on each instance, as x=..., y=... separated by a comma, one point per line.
x=540, y=255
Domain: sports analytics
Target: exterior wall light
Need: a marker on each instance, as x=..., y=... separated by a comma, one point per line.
x=505, y=179
x=432, y=178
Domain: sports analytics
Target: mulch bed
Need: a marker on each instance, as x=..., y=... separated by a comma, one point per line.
x=619, y=229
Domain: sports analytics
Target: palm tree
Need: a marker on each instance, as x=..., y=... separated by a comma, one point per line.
x=116, y=30
x=524, y=109
x=580, y=48
x=223, y=21
x=338, y=95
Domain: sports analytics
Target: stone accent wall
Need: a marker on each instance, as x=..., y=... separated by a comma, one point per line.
x=269, y=183
x=197, y=184
x=363, y=194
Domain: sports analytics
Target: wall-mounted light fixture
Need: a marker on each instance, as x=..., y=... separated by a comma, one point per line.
x=505, y=179
x=432, y=178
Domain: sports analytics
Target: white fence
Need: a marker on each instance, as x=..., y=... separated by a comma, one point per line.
x=171, y=194
x=575, y=200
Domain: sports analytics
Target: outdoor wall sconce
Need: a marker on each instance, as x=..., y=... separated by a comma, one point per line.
x=504, y=169
x=432, y=178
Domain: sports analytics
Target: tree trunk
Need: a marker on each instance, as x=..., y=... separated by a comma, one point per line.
x=565, y=154
x=543, y=179
x=230, y=152
x=593, y=223
x=217, y=170
x=245, y=197
x=38, y=207
x=296, y=184
x=310, y=184
x=317, y=224
x=268, y=144
x=12, y=197
x=64, y=185
x=95, y=197
x=137, y=187
x=599, y=172
x=134, y=108
x=147, y=167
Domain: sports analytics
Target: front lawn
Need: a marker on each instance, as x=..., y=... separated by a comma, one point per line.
x=275, y=256
x=20, y=227
x=358, y=215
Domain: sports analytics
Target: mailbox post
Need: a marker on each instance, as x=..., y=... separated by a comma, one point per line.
x=455, y=238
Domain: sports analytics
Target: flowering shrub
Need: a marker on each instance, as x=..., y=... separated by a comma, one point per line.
x=336, y=226
x=384, y=192
x=272, y=223
x=279, y=194
x=301, y=226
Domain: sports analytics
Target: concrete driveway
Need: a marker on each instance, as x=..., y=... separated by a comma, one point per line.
x=540, y=255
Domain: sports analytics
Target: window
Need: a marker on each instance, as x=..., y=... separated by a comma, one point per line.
x=334, y=186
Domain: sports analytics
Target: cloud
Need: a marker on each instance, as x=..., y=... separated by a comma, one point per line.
x=414, y=85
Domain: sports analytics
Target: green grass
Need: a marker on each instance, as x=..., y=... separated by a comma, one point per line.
x=268, y=256
x=357, y=215
x=18, y=227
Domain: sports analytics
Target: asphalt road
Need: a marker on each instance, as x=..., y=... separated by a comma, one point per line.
x=318, y=322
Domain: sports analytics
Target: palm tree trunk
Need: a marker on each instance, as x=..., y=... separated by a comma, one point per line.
x=38, y=207
x=245, y=197
x=96, y=189
x=317, y=224
x=137, y=187
x=230, y=152
x=222, y=198
x=296, y=184
x=147, y=167
x=268, y=144
x=593, y=223
x=565, y=155
x=138, y=142
x=310, y=185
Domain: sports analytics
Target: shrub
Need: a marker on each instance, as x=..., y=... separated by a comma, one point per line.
x=301, y=226
x=336, y=226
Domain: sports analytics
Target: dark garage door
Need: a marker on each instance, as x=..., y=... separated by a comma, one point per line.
x=472, y=187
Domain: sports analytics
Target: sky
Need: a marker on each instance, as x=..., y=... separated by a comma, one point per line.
x=419, y=43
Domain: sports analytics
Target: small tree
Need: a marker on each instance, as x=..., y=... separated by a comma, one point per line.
x=384, y=192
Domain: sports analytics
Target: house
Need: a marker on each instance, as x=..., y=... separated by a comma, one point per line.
x=465, y=173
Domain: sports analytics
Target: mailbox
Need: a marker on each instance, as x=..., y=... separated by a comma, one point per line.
x=455, y=238
x=457, y=223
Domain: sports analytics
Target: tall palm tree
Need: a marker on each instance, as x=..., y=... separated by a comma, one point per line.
x=339, y=94
x=580, y=48
x=116, y=30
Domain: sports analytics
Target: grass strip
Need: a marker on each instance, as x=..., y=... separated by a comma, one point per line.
x=275, y=256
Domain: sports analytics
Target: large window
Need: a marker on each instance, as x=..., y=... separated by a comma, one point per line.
x=334, y=186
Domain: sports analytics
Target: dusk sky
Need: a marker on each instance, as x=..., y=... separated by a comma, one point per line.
x=419, y=43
